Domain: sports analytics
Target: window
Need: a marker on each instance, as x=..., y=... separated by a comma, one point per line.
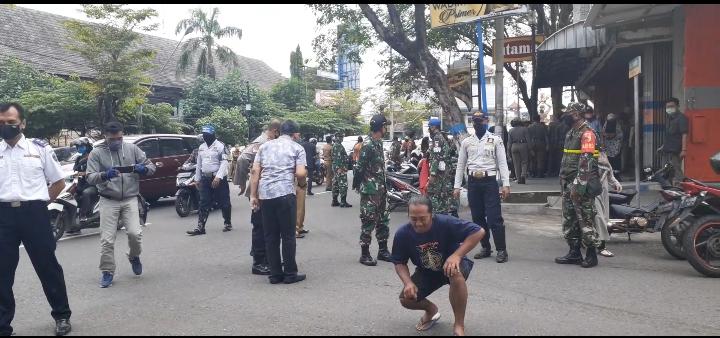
x=150, y=147
x=172, y=147
x=191, y=143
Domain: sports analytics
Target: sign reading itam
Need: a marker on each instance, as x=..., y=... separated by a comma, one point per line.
x=519, y=48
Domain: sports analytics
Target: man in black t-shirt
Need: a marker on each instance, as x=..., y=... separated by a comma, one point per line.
x=437, y=245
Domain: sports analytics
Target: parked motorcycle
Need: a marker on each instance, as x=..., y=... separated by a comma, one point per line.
x=702, y=238
x=187, y=197
x=399, y=192
x=64, y=213
x=661, y=216
x=318, y=175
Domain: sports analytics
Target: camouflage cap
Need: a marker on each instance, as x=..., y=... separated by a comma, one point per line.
x=578, y=107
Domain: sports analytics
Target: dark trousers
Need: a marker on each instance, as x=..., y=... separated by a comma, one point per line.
x=556, y=153
x=210, y=196
x=29, y=225
x=257, y=248
x=88, y=197
x=279, y=216
x=310, y=171
x=484, y=200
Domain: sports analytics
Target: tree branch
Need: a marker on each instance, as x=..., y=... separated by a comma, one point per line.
x=420, y=27
x=394, y=16
x=398, y=42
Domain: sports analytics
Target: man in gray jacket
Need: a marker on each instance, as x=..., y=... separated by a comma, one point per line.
x=115, y=167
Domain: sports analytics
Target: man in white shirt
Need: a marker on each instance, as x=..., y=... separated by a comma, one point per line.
x=482, y=158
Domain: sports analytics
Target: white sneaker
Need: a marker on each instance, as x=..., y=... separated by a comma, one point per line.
x=607, y=253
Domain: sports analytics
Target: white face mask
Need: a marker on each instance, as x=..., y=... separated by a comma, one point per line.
x=670, y=110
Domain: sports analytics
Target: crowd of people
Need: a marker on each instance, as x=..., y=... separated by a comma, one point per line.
x=278, y=166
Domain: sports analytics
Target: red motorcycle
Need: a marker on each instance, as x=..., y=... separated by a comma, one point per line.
x=702, y=239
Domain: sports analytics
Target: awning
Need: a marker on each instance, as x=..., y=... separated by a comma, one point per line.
x=566, y=53
x=603, y=15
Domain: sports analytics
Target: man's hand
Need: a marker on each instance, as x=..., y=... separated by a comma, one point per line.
x=618, y=187
x=505, y=193
x=111, y=173
x=410, y=292
x=452, y=265
x=456, y=193
x=574, y=193
x=141, y=169
x=216, y=182
x=682, y=154
x=254, y=203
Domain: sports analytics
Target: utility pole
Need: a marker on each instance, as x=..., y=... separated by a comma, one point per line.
x=499, y=62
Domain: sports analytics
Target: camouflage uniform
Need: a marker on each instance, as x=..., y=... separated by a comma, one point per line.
x=443, y=161
x=578, y=167
x=373, y=193
x=339, y=162
x=395, y=153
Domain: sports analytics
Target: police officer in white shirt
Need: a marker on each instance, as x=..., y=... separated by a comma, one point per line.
x=27, y=166
x=211, y=175
x=482, y=158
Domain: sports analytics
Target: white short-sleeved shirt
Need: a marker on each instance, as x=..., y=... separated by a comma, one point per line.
x=26, y=170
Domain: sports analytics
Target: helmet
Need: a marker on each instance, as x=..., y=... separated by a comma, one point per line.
x=434, y=122
x=313, y=140
x=377, y=122
x=81, y=141
x=578, y=107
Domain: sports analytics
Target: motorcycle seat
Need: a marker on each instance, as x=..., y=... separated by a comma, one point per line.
x=627, y=192
x=406, y=177
x=624, y=210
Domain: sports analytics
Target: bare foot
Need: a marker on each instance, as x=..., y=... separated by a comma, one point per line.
x=458, y=330
x=429, y=319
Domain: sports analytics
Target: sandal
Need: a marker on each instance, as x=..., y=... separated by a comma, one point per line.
x=606, y=253
x=428, y=325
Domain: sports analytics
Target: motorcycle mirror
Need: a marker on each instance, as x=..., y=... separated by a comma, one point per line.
x=648, y=170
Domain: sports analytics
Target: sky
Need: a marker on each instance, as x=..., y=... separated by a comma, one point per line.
x=270, y=31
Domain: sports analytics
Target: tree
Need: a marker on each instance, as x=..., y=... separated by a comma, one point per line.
x=230, y=125
x=112, y=52
x=204, y=48
x=17, y=78
x=348, y=103
x=297, y=64
x=292, y=93
x=157, y=118
x=403, y=27
x=322, y=121
x=61, y=105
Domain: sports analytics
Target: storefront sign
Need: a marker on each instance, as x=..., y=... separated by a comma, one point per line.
x=519, y=48
x=634, y=67
x=443, y=15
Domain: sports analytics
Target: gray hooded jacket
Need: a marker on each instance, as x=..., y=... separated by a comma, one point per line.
x=125, y=185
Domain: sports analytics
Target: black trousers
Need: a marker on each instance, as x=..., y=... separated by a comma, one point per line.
x=29, y=225
x=484, y=200
x=210, y=195
x=257, y=248
x=279, y=216
x=310, y=171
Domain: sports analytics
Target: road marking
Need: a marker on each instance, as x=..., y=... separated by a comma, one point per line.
x=83, y=235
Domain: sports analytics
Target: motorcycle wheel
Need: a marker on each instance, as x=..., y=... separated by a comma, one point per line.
x=319, y=179
x=183, y=204
x=672, y=240
x=57, y=224
x=702, y=241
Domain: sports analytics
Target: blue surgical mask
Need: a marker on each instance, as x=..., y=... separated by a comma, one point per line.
x=114, y=145
x=82, y=150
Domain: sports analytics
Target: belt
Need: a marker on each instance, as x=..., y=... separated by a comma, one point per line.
x=19, y=204
x=209, y=174
x=481, y=173
x=596, y=153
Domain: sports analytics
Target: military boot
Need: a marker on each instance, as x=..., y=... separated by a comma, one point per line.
x=574, y=256
x=383, y=253
x=335, y=201
x=365, y=257
x=590, y=258
x=202, y=219
x=344, y=203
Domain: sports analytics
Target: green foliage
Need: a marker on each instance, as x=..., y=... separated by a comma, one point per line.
x=320, y=122
x=230, y=125
x=229, y=92
x=60, y=105
x=293, y=94
x=112, y=51
x=296, y=64
x=348, y=104
x=157, y=118
x=17, y=78
x=204, y=48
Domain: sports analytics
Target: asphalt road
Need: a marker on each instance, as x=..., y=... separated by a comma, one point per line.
x=203, y=286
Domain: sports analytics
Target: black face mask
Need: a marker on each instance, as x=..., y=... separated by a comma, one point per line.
x=10, y=131
x=568, y=120
x=480, y=129
x=209, y=138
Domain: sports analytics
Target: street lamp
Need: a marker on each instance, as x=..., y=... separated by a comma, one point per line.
x=248, y=107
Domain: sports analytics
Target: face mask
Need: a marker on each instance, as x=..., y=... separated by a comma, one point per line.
x=82, y=150
x=568, y=120
x=209, y=138
x=480, y=129
x=10, y=131
x=670, y=110
x=115, y=145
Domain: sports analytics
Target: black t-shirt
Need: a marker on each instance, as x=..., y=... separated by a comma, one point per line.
x=676, y=126
x=429, y=251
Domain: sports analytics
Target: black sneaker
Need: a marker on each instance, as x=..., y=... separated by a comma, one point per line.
x=483, y=254
x=260, y=269
x=228, y=227
x=502, y=256
x=294, y=279
x=310, y=193
x=303, y=231
x=276, y=279
x=62, y=327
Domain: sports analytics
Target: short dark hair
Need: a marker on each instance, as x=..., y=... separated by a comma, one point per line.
x=360, y=139
x=673, y=99
x=274, y=124
x=114, y=127
x=6, y=106
x=328, y=138
x=421, y=200
x=289, y=127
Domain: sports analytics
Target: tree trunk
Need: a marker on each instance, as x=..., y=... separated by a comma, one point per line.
x=556, y=96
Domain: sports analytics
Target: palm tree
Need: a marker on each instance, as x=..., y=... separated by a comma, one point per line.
x=204, y=47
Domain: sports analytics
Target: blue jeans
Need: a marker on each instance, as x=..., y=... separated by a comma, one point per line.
x=484, y=200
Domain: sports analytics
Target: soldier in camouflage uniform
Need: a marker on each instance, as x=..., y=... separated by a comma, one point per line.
x=580, y=183
x=395, y=152
x=369, y=181
x=443, y=161
x=339, y=166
